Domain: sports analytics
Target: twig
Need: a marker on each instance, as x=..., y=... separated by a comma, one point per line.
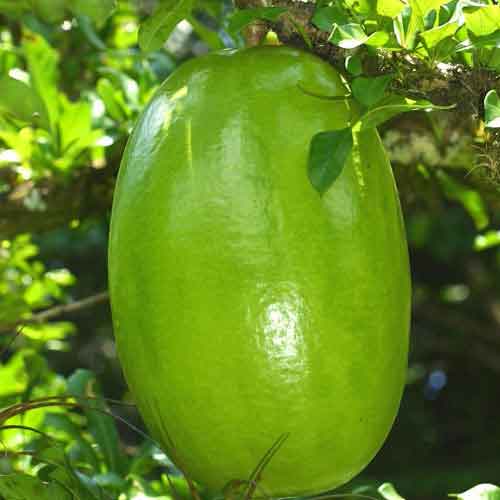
x=57, y=311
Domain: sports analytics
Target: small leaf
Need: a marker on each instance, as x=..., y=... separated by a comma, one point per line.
x=435, y=35
x=325, y=17
x=42, y=64
x=328, y=154
x=388, y=491
x=353, y=65
x=423, y=7
x=369, y=90
x=18, y=99
x=156, y=29
x=482, y=20
x=390, y=8
x=419, y=10
x=350, y=36
x=480, y=492
x=49, y=331
x=377, y=39
x=243, y=17
x=113, y=99
x=97, y=10
x=492, y=109
x=393, y=106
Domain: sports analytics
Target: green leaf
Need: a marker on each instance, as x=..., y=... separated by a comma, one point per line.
x=57, y=469
x=50, y=331
x=14, y=7
x=365, y=8
x=88, y=29
x=435, y=35
x=51, y=11
x=325, y=17
x=480, y=492
x=42, y=62
x=76, y=133
x=243, y=17
x=97, y=10
x=369, y=90
x=393, y=106
x=19, y=100
x=154, y=32
x=487, y=240
x=475, y=42
x=390, y=8
x=24, y=487
x=482, y=20
x=210, y=37
x=378, y=39
x=492, y=109
x=350, y=36
x=328, y=154
x=354, y=65
x=113, y=100
x=423, y=7
x=469, y=198
x=388, y=491
x=102, y=426
x=62, y=423
x=419, y=9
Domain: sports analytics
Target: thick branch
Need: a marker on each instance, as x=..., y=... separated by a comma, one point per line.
x=57, y=311
x=440, y=83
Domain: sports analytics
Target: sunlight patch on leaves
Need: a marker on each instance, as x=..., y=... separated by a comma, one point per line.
x=489, y=239
x=492, y=109
x=479, y=492
x=390, y=8
x=482, y=20
x=388, y=492
x=352, y=35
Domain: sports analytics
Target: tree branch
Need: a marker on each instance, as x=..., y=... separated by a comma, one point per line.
x=57, y=311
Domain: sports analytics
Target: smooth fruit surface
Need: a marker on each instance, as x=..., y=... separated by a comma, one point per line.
x=245, y=305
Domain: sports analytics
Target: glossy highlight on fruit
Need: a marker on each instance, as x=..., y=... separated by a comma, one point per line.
x=245, y=305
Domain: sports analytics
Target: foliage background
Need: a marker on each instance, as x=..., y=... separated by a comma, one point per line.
x=73, y=80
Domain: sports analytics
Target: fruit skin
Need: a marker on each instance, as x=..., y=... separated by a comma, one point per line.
x=245, y=305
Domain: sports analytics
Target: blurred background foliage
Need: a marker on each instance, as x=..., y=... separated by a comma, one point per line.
x=72, y=82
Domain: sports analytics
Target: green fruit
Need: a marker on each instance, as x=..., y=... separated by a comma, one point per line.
x=245, y=305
